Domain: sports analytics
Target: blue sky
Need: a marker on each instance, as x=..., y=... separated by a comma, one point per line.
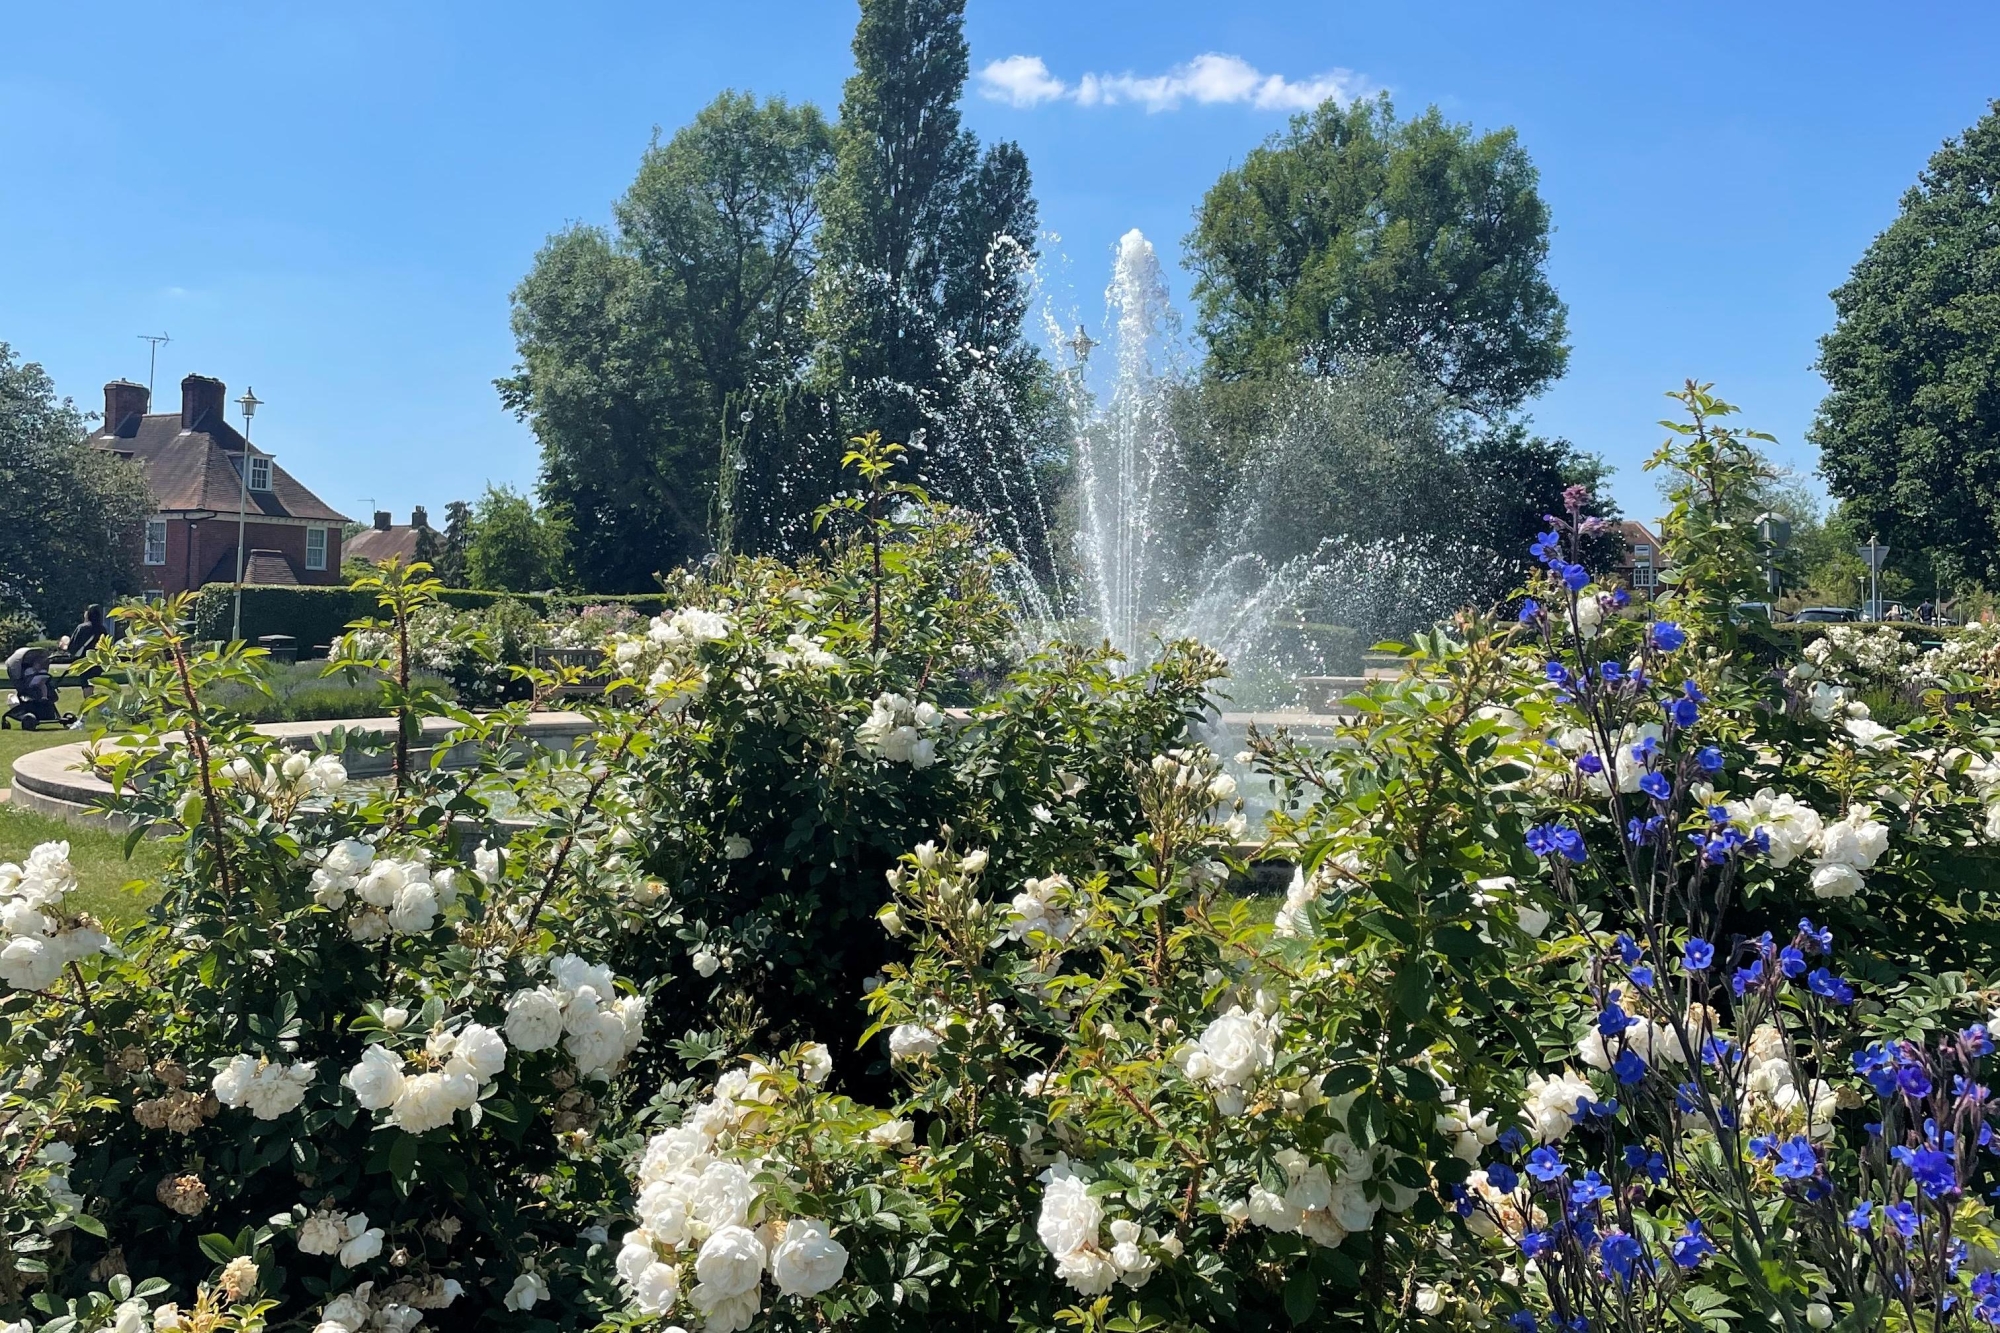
x=331, y=202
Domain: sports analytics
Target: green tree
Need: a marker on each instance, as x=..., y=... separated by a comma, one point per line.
x=70, y=515
x=457, y=536
x=1909, y=432
x=1353, y=234
x=928, y=244
x=638, y=348
x=512, y=546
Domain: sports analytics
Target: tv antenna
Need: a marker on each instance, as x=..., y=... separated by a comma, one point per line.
x=152, y=359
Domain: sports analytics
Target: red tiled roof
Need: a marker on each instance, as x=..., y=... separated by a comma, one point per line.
x=195, y=470
x=381, y=544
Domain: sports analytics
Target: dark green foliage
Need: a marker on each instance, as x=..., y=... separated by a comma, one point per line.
x=921, y=299
x=69, y=515
x=637, y=349
x=1908, y=432
x=1352, y=234
x=317, y=616
x=449, y=563
x=513, y=545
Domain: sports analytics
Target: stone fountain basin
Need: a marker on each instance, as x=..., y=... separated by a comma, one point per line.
x=58, y=781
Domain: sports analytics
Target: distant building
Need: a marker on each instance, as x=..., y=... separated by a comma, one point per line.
x=1639, y=562
x=192, y=459
x=388, y=541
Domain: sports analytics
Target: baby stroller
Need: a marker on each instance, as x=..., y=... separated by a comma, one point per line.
x=34, y=687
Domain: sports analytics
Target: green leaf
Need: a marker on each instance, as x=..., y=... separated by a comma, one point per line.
x=218, y=1247
x=1301, y=1295
x=1412, y=988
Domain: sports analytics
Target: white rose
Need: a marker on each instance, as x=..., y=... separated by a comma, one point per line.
x=1087, y=1272
x=897, y=1134
x=656, y=1288
x=534, y=1019
x=729, y=1264
x=348, y=857
x=415, y=910
x=913, y=1041
x=597, y=1043
x=723, y=1195
x=378, y=1080
x=816, y=1062
x=1070, y=1217
x=807, y=1259
x=706, y=963
x=362, y=1247
x=131, y=1317
x=1272, y=1211
x=322, y=1233
x=735, y=847
x=486, y=864
x=1836, y=880
x=527, y=1291
x=481, y=1048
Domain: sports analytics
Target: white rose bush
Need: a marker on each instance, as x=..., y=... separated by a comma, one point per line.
x=1630, y=969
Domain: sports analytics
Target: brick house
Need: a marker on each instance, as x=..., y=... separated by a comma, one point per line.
x=1639, y=558
x=387, y=541
x=192, y=457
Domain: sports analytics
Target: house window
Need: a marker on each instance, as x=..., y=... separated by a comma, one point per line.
x=315, y=548
x=1642, y=552
x=156, y=541
x=260, y=473
x=1642, y=576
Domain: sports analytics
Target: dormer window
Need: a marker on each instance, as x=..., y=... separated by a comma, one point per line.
x=260, y=473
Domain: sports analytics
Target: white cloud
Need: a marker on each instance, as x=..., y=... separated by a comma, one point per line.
x=1021, y=81
x=1209, y=80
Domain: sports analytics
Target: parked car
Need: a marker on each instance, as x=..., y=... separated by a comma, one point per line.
x=1826, y=615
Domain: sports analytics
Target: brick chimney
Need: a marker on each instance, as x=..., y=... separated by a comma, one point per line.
x=381, y=520
x=202, y=397
x=122, y=401
x=418, y=518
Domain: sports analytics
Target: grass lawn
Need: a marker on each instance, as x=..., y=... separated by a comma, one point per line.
x=14, y=743
x=99, y=857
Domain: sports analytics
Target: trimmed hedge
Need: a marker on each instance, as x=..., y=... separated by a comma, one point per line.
x=317, y=616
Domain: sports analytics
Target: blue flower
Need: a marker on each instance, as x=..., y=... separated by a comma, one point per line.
x=1709, y=758
x=1590, y=763
x=1620, y=598
x=1829, y=987
x=1763, y=1145
x=1913, y=1080
x=1556, y=840
x=1621, y=1253
x=1903, y=1217
x=1642, y=977
x=1591, y=1189
x=1747, y=978
x=1697, y=955
x=1628, y=1067
x=1645, y=830
x=1545, y=545
x=1877, y=1064
x=1502, y=1177
x=1534, y=1244
x=1718, y=1051
x=1814, y=938
x=1682, y=712
x=1860, y=1219
x=1522, y=1321
x=1511, y=1140
x=1544, y=1165
x=1575, y=577
x=1791, y=962
x=1935, y=1172
x=1531, y=610
x=1691, y=1246
x=1977, y=1040
x=1693, y=692
x=1796, y=1159
x=1657, y=786
x=1628, y=952
x=1613, y=1020
x=1558, y=674
x=1645, y=749
x=1666, y=635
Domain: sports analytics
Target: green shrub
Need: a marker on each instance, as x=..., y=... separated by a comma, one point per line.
x=317, y=616
x=18, y=629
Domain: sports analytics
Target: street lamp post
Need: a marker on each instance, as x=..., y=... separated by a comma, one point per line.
x=249, y=402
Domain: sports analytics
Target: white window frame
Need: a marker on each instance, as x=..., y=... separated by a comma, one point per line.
x=154, y=525
x=319, y=533
x=260, y=473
